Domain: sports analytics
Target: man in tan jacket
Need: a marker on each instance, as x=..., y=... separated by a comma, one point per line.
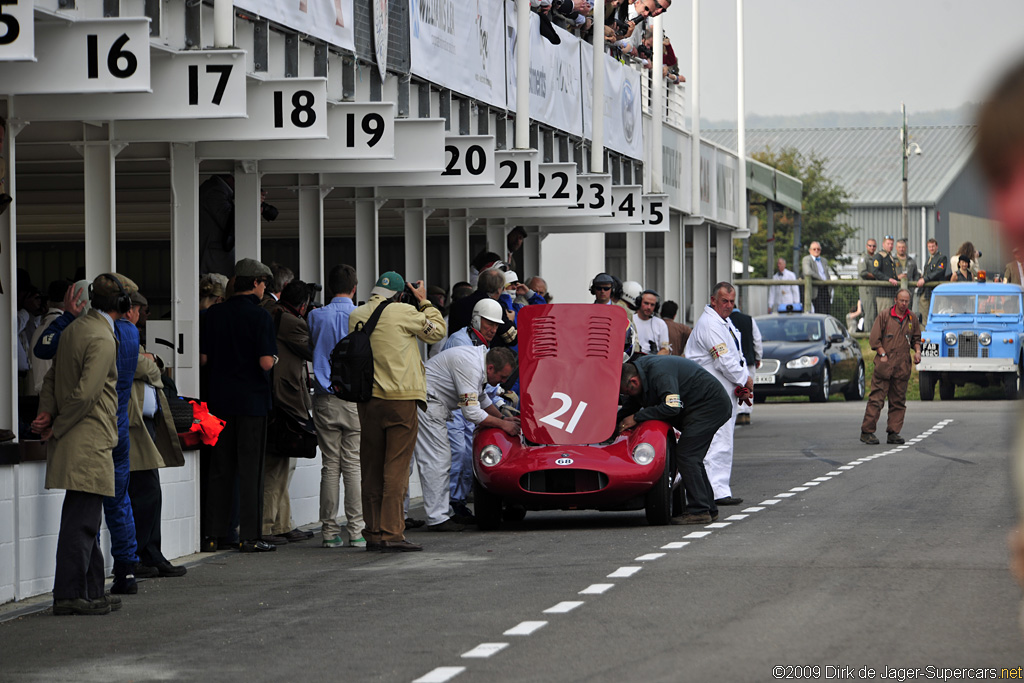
x=78, y=420
x=389, y=420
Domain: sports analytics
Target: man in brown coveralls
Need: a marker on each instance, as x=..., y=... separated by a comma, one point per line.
x=893, y=334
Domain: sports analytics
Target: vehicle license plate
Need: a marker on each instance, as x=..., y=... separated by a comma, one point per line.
x=930, y=349
x=764, y=379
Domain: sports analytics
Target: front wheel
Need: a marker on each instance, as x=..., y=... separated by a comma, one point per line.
x=658, y=501
x=927, y=383
x=821, y=392
x=856, y=389
x=1011, y=385
x=947, y=389
x=488, y=507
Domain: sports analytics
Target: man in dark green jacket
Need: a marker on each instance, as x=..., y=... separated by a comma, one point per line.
x=680, y=392
x=936, y=271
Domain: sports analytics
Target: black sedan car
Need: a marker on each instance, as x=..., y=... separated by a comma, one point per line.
x=808, y=355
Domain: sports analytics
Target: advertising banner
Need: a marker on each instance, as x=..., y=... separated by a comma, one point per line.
x=460, y=45
x=329, y=20
x=555, y=78
x=623, y=129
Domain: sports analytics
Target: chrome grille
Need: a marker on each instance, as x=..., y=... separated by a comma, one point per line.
x=967, y=343
x=984, y=353
x=769, y=366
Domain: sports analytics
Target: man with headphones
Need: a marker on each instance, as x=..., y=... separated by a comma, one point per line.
x=78, y=418
x=652, y=330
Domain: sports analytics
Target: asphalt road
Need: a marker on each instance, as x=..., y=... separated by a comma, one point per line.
x=892, y=563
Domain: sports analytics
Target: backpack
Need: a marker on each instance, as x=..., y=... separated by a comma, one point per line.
x=352, y=362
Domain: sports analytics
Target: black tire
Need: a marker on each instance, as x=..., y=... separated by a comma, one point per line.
x=1011, y=385
x=821, y=392
x=857, y=388
x=759, y=398
x=927, y=383
x=658, y=501
x=514, y=513
x=487, y=507
x=947, y=389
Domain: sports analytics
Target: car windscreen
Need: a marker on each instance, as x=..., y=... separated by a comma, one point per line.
x=999, y=304
x=953, y=304
x=783, y=329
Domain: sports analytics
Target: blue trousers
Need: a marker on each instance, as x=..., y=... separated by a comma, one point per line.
x=460, y=438
x=117, y=509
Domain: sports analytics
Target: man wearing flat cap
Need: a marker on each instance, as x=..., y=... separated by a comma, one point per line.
x=78, y=420
x=239, y=346
x=389, y=420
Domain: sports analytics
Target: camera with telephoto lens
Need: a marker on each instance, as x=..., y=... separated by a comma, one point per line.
x=620, y=27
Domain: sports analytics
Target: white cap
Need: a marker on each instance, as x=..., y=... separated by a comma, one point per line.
x=486, y=308
x=511, y=277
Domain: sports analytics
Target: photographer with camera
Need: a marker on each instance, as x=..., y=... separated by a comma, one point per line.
x=389, y=420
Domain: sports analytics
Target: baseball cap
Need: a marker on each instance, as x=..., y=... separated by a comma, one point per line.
x=250, y=267
x=388, y=284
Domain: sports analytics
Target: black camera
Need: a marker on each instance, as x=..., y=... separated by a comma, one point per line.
x=268, y=211
x=620, y=27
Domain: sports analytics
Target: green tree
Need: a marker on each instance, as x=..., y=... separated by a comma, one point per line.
x=824, y=203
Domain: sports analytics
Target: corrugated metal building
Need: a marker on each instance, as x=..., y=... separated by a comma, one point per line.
x=947, y=197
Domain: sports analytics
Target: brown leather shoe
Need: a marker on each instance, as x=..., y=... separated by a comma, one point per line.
x=274, y=540
x=402, y=546
x=296, y=535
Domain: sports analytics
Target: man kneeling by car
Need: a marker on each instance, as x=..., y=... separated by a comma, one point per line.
x=680, y=392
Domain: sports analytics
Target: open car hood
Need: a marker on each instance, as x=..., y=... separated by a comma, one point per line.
x=570, y=362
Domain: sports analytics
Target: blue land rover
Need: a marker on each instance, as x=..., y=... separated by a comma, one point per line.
x=974, y=334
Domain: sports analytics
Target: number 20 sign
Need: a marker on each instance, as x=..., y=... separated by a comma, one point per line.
x=102, y=55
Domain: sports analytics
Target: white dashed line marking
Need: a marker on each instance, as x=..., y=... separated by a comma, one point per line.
x=753, y=509
x=649, y=556
x=697, y=534
x=770, y=501
x=440, y=674
x=834, y=473
x=716, y=525
x=564, y=607
x=846, y=467
x=596, y=588
x=735, y=518
x=675, y=545
x=484, y=650
x=525, y=628
x=785, y=495
x=798, y=489
x=823, y=479
x=623, y=572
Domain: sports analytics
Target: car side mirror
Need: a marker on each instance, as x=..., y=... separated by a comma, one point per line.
x=836, y=339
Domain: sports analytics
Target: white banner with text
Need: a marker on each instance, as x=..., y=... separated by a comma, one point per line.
x=329, y=20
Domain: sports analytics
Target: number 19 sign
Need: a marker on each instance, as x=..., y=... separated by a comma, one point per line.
x=102, y=55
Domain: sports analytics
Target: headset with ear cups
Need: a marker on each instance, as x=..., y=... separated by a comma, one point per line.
x=124, y=299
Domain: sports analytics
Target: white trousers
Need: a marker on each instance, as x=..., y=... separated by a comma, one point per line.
x=718, y=461
x=433, y=456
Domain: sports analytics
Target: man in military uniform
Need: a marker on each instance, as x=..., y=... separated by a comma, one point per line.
x=894, y=333
x=883, y=269
x=936, y=270
x=867, y=294
x=907, y=271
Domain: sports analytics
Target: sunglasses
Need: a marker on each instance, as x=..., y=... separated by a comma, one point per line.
x=603, y=288
x=889, y=237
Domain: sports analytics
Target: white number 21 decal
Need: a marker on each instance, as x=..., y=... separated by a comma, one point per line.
x=552, y=418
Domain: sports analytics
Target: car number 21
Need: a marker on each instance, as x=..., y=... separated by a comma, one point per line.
x=566, y=400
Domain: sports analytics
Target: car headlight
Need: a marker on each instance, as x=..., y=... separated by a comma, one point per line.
x=802, y=362
x=643, y=454
x=490, y=455
x=950, y=339
x=984, y=338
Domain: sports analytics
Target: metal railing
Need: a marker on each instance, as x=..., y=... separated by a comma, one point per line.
x=675, y=100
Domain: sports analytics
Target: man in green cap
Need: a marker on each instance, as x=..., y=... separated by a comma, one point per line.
x=389, y=420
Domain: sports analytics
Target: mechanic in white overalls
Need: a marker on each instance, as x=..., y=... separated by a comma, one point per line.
x=715, y=345
x=456, y=379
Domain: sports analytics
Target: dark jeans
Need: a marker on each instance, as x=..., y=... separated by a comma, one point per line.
x=240, y=451
x=79, y=569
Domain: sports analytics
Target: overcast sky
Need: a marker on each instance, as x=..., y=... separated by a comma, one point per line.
x=807, y=56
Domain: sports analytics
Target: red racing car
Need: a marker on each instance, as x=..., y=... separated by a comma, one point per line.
x=569, y=456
